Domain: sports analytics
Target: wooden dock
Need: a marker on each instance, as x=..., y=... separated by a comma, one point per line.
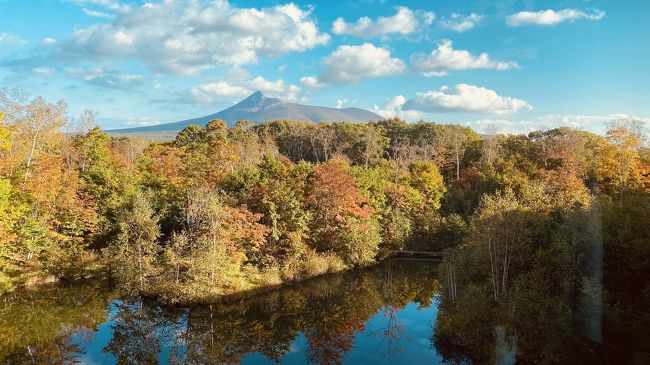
x=418, y=255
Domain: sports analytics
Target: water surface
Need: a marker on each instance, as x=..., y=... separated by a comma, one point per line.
x=381, y=315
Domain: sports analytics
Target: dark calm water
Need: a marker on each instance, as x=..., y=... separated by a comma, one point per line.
x=381, y=315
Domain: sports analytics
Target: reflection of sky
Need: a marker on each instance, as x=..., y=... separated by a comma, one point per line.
x=371, y=348
x=93, y=347
x=102, y=336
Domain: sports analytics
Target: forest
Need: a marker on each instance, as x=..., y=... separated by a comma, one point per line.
x=221, y=210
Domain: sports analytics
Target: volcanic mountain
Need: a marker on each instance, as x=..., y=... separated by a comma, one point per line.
x=259, y=108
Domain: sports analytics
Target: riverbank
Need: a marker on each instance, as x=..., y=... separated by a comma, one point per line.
x=97, y=268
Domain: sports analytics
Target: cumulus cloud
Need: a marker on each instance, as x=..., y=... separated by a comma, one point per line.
x=349, y=64
x=11, y=40
x=405, y=21
x=460, y=23
x=551, y=17
x=234, y=89
x=310, y=81
x=205, y=93
x=277, y=88
x=392, y=107
x=183, y=38
x=465, y=98
x=105, y=77
x=445, y=58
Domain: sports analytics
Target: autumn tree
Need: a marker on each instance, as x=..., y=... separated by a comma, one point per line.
x=425, y=177
x=133, y=251
x=338, y=210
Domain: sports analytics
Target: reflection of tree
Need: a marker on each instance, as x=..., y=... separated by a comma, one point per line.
x=134, y=338
x=392, y=332
x=58, y=351
x=330, y=311
x=330, y=342
x=524, y=268
x=44, y=326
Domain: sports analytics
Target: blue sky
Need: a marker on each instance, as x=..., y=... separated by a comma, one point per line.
x=513, y=67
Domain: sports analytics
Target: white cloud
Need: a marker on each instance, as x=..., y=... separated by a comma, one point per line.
x=465, y=98
x=446, y=58
x=310, y=81
x=593, y=123
x=277, y=88
x=205, y=93
x=184, y=38
x=349, y=64
x=460, y=23
x=95, y=13
x=11, y=40
x=105, y=78
x=405, y=21
x=234, y=89
x=551, y=17
x=393, y=108
x=341, y=102
x=48, y=41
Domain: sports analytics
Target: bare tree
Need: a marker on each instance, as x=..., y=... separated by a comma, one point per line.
x=490, y=149
x=456, y=138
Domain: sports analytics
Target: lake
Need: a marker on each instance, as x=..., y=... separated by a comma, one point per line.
x=380, y=315
x=385, y=314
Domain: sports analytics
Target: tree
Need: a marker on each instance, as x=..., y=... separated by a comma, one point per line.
x=109, y=185
x=134, y=249
x=190, y=134
x=620, y=163
x=337, y=206
x=499, y=228
x=222, y=240
x=456, y=138
x=425, y=177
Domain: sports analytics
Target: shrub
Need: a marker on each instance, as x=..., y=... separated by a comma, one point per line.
x=334, y=263
x=315, y=265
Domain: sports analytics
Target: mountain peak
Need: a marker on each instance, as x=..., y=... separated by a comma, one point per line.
x=254, y=97
x=255, y=102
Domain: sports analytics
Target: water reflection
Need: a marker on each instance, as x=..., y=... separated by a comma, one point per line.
x=379, y=315
x=394, y=313
x=51, y=326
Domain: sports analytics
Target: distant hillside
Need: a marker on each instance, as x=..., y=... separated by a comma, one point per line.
x=259, y=108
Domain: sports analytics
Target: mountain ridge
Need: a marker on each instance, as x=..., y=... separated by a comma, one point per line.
x=259, y=108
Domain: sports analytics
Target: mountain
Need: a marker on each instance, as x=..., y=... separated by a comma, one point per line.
x=259, y=108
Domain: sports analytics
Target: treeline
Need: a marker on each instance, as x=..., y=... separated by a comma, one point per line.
x=219, y=210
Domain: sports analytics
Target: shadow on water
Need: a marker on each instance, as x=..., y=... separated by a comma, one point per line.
x=383, y=314
x=397, y=312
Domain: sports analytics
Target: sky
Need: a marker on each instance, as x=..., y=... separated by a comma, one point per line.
x=511, y=67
